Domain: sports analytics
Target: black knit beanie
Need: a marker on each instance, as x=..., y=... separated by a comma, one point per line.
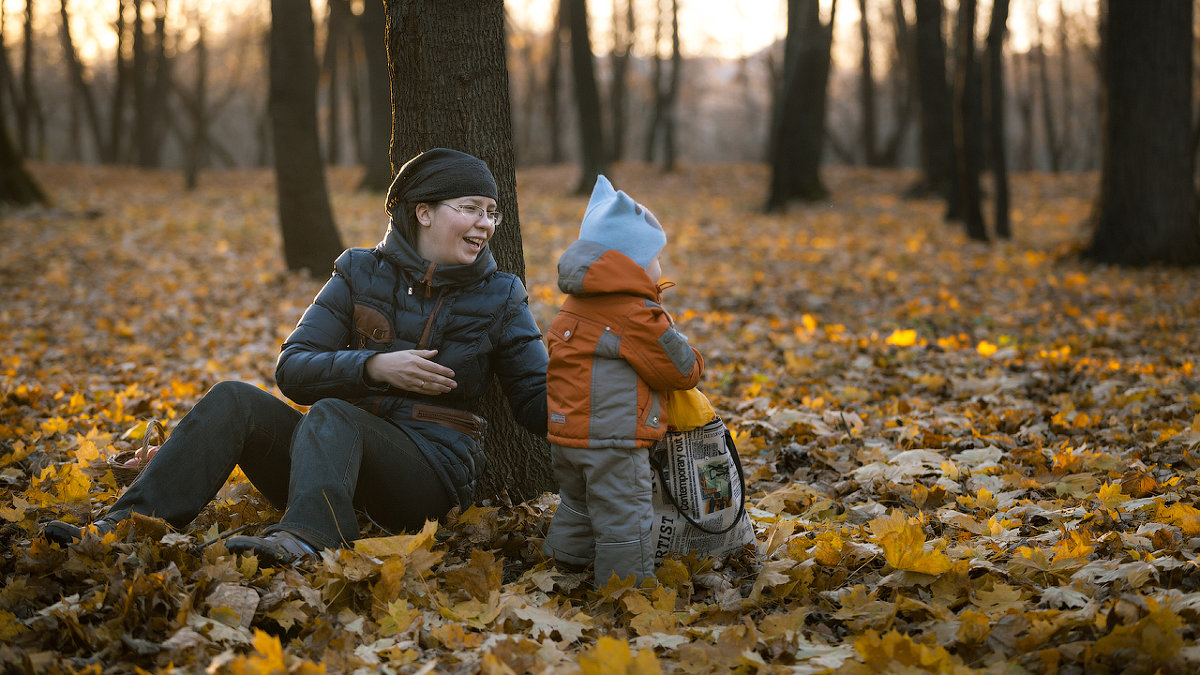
x=439, y=174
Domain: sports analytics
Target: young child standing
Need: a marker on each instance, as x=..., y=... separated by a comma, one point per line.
x=613, y=352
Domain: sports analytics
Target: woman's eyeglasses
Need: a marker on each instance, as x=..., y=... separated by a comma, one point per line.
x=473, y=211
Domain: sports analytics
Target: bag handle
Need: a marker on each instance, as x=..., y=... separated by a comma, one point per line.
x=737, y=461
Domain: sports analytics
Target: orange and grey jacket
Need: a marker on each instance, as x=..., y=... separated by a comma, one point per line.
x=613, y=349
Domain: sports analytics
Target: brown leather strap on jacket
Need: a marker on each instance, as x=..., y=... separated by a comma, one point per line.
x=451, y=418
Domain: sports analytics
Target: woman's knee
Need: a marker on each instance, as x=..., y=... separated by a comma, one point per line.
x=233, y=391
x=332, y=409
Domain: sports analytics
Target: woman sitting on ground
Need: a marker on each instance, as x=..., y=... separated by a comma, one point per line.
x=393, y=356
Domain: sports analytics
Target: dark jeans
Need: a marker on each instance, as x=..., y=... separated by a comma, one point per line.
x=316, y=467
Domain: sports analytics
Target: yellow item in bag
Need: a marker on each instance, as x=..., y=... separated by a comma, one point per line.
x=688, y=409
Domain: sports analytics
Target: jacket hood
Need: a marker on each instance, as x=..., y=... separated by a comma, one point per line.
x=400, y=253
x=587, y=267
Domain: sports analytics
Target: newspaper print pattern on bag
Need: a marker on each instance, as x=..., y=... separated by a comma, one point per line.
x=698, y=471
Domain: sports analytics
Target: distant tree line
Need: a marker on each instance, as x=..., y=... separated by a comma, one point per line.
x=174, y=93
x=1097, y=79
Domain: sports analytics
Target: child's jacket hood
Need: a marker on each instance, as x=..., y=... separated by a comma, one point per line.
x=588, y=268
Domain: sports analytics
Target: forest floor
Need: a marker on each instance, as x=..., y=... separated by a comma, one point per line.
x=960, y=457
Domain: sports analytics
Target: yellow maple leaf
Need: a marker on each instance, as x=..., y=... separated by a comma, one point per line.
x=398, y=545
x=1158, y=634
x=882, y=653
x=902, y=337
x=903, y=543
x=611, y=656
x=1185, y=516
x=1110, y=495
x=1077, y=546
x=986, y=348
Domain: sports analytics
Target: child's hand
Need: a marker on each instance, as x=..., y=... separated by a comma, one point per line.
x=413, y=370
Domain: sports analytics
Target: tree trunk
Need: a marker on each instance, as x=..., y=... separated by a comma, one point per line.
x=161, y=86
x=8, y=81
x=79, y=82
x=800, y=117
x=337, y=25
x=623, y=30
x=866, y=89
x=1069, y=113
x=903, y=91
x=654, y=128
x=1049, y=121
x=310, y=238
x=670, y=120
x=937, y=126
x=1023, y=89
x=17, y=186
x=378, y=173
x=554, y=84
x=587, y=97
x=966, y=141
x=1146, y=212
x=995, y=111
x=123, y=71
x=30, y=120
x=196, y=154
x=142, y=114
x=449, y=82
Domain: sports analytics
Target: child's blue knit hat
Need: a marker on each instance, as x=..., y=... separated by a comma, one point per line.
x=613, y=219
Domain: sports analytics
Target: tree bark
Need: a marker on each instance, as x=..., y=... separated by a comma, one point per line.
x=378, y=174
x=446, y=62
x=937, y=126
x=799, y=131
x=654, y=128
x=79, y=82
x=30, y=120
x=866, y=90
x=1054, y=147
x=196, y=154
x=995, y=124
x=623, y=30
x=587, y=97
x=123, y=69
x=1146, y=212
x=310, y=238
x=670, y=104
x=17, y=186
x=554, y=83
x=966, y=140
x=903, y=90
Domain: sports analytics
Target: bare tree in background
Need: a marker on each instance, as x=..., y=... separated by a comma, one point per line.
x=1055, y=146
x=82, y=92
x=151, y=78
x=994, y=73
x=554, y=82
x=31, y=122
x=587, y=96
x=1022, y=65
x=196, y=153
x=449, y=81
x=866, y=90
x=623, y=31
x=937, y=125
x=799, y=125
x=378, y=174
x=966, y=126
x=17, y=186
x=664, y=95
x=1146, y=211
x=310, y=238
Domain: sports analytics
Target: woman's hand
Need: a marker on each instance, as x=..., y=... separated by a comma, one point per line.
x=413, y=370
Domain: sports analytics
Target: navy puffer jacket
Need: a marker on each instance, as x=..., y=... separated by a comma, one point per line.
x=389, y=299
